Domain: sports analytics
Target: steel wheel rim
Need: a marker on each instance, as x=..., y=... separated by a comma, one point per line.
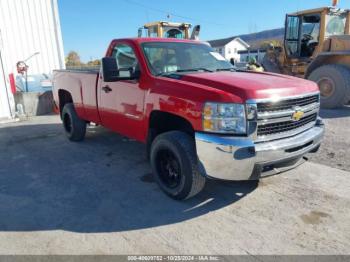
x=327, y=86
x=168, y=168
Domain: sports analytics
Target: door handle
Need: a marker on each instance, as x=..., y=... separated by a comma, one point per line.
x=107, y=89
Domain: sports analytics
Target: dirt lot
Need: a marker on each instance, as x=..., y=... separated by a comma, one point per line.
x=98, y=197
x=336, y=145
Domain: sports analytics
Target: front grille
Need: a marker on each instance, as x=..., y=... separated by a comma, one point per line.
x=275, y=119
x=287, y=104
x=287, y=126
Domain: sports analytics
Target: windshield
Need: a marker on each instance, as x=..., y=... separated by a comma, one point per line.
x=335, y=24
x=171, y=57
x=173, y=33
x=311, y=26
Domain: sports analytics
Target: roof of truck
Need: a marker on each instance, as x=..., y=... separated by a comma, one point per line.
x=140, y=40
x=156, y=39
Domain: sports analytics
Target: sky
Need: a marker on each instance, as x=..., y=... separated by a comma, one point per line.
x=89, y=25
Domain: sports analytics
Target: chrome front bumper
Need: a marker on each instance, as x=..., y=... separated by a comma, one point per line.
x=239, y=158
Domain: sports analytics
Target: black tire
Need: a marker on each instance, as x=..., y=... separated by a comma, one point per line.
x=175, y=165
x=74, y=127
x=335, y=80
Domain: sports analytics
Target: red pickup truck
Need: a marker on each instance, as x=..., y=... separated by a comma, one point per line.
x=199, y=116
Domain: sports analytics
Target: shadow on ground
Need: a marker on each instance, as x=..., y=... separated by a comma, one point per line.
x=335, y=113
x=100, y=185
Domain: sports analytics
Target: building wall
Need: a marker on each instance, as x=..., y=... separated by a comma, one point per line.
x=220, y=50
x=4, y=96
x=232, y=48
x=27, y=27
x=259, y=56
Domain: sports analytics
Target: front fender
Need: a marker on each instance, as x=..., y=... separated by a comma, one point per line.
x=185, y=108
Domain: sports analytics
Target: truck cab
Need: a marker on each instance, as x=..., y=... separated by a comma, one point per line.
x=316, y=46
x=306, y=33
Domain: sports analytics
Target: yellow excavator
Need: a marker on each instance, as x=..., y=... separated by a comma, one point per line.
x=169, y=30
x=316, y=46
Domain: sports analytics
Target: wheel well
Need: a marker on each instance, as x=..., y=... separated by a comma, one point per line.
x=161, y=122
x=64, y=98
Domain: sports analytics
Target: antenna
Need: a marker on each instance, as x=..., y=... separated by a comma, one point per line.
x=334, y=3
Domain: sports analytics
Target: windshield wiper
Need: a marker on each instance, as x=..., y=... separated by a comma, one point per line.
x=165, y=73
x=184, y=70
x=226, y=69
x=194, y=70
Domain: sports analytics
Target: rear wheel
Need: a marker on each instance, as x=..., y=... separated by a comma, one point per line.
x=75, y=127
x=334, y=84
x=175, y=165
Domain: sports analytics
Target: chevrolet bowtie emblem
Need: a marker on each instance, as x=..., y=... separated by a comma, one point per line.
x=297, y=115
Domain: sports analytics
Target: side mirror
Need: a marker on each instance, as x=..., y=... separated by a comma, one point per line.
x=110, y=70
x=112, y=73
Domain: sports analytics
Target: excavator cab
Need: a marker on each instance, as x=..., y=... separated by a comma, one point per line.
x=169, y=30
x=306, y=31
x=302, y=35
x=316, y=46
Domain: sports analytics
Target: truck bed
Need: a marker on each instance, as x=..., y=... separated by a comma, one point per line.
x=90, y=69
x=80, y=83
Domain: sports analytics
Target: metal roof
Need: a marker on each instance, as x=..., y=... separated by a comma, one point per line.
x=225, y=41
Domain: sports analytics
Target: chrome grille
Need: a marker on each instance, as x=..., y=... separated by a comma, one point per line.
x=287, y=104
x=275, y=118
x=280, y=127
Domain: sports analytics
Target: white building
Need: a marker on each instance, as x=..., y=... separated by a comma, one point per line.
x=28, y=29
x=246, y=55
x=229, y=47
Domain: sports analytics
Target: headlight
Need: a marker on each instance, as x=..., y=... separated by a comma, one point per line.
x=224, y=118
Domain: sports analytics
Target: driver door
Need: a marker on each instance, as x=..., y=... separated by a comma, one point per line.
x=121, y=103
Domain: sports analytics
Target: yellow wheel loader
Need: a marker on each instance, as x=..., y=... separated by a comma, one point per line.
x=170, y=30
x=316, y=47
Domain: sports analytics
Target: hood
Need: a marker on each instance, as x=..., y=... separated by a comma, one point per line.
x=252, y=85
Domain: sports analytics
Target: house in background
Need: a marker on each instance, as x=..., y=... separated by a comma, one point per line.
x=229, y=47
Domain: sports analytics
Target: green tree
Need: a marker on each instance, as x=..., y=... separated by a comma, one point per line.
x=95, y=62
x=73, y=59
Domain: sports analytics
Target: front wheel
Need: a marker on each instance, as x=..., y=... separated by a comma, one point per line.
x=175, y=165
x=334, y=84
x=74, y=127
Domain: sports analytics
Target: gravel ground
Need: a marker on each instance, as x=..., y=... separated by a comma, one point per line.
x=335, y=148
x=98, y=197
